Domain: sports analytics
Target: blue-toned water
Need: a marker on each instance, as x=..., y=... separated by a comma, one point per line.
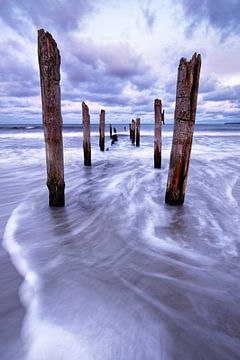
x=117, y=274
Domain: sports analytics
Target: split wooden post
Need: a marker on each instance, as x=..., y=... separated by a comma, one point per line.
x=184, y=120
x=49, y=65
x=102, y=130
x=157, y=134
x=138, y=132
x=86, y=135
x=133, y=131
x=110, y=130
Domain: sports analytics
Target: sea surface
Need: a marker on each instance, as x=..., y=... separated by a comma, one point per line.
x=117, y=273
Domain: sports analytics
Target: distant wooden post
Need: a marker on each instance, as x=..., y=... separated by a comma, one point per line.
x=102, y=130
x=163, y=114
x=110, y=130
x=49, y=65
x=133, y=131
x=86, y=135
x=157, y=133
x=184, y=120
x=130, y=131
x=138, y=132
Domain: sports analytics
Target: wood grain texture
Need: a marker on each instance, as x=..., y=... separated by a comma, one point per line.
x=49, y=65
x=184, y=121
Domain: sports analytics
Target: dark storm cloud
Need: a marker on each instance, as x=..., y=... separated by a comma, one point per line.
x=55, y=14
x=221, y=14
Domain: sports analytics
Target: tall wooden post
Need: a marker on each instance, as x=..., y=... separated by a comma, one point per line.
x=184, y=120
x=157, y=134
x=102, y=130
x=138, y=132
x=110, y=130
x=49, y=65
x=86, y=135
x=133, y=131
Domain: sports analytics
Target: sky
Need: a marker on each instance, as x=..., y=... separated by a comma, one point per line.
x=119, y=56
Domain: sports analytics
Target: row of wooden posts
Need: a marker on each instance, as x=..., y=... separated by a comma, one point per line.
x=184, y=120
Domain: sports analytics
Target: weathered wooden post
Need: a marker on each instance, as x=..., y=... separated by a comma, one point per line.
x=184, y=120
x=130, y=131
x=133, y=131
x=110, y=130
x=157, y=133
x=49, y=65
x=102, y=130
x=138, y=132
x=163, y=114
x=86, y=135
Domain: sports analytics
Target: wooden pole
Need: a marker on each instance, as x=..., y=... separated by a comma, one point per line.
x=102, y=130
x=138, y=132
x=86, y=135
x=157, y=134
x=49, y=65
x=110, y=130
x=133, y=131
x=130, y=131
x=163, y=114
x=184, y=120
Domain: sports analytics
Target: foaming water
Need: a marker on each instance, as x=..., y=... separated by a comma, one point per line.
x=117, y=274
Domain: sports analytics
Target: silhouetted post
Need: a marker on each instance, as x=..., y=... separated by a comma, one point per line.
x=133, y=131
x=110, y=130
x=138, y=132
x=86, y=135
x=102, y=130
x=184, y=120
x=157, y=133
x=163, y=121
x=49, y=65
x=130, y=131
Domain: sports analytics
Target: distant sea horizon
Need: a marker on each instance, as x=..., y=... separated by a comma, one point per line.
x=30, y=125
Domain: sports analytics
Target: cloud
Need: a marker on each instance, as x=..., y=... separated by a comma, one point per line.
x=221, y=14
x=111, y=73
x=227, y=93
x=61, y=15
x=149, y=14
x=18, y=77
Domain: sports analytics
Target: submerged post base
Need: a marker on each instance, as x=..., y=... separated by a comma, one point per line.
x=174, y=199
x=56, y=195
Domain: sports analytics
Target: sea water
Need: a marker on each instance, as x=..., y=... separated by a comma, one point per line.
x=117, y=273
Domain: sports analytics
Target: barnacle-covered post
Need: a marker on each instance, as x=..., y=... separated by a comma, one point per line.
x=49, y=65
x=184, y=121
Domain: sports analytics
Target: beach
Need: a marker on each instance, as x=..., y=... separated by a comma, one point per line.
x=117, y=273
